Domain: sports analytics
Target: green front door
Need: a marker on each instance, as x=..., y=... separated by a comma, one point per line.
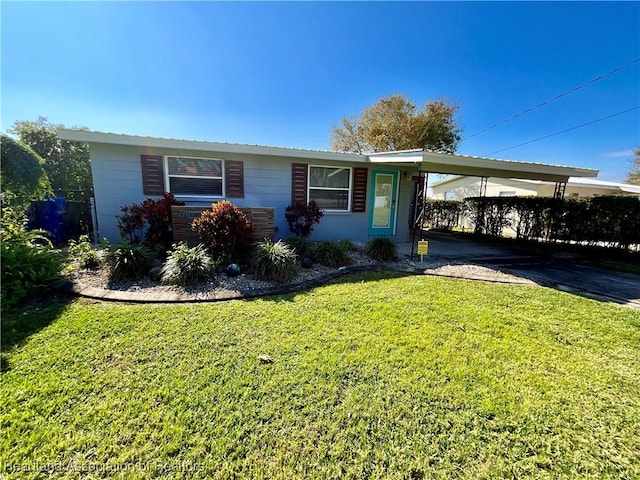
x=384, y=192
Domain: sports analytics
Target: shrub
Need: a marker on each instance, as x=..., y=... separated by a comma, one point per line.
x=443, y=214
x=275, y=261
x=129, y=260
x=300, y=245
x=382, y=249
x=155, y=215
x=27, y=258
x=186, y=265
x=131, y=223
x=224, y=229
x=83, y=254
x=609, y=219
x=347, y=245
x=301, y=217
x=23, y=174
x=330, y=254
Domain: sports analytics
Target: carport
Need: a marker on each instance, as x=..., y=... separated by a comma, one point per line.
x=445, y=163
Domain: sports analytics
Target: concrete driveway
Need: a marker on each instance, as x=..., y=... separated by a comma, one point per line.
x=563, y=274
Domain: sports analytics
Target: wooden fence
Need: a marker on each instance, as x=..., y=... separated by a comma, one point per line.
x=181, y=217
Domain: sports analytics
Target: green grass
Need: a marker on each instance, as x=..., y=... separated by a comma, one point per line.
x=375, y=377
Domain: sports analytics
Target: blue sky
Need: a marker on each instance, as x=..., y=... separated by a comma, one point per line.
x=283, y=73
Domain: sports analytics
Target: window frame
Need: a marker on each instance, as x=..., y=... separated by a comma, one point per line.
x=349, y=190
x=167, y=177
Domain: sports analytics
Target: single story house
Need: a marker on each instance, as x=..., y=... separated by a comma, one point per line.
x=362, y=195
x=461, y=187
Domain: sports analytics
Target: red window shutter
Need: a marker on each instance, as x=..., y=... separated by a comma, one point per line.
x=359, y=198
x=152, y=174
x=234, y=178
x=299, y=173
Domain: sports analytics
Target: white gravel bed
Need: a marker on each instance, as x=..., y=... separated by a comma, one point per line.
x=222, y=285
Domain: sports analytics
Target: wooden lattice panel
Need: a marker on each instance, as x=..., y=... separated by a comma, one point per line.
x=181, y=217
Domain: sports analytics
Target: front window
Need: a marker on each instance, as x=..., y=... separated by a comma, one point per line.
x=330, y=187
x=201, y=177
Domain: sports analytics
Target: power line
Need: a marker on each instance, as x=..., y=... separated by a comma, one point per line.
x=546, y=102
x=563, y=131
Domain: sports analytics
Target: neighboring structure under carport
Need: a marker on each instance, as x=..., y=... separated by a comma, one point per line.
x=446, y=163
x=461, y=187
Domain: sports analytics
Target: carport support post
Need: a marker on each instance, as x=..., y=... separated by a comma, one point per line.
x=420, y=203
x=558, y=195
x=559, y=190
x=482, y=194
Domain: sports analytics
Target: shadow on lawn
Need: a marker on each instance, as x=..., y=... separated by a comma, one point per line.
x=358, y=276
x=22, y=321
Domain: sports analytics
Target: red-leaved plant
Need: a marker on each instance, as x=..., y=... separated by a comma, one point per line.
x=155, y=214
x=131, y=222
x=301, y=217
x=225, y=230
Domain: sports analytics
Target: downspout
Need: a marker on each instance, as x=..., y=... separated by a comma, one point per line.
x=94, y=220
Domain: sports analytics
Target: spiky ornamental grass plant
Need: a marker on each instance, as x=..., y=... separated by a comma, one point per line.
x=382, y=249
x=186, y=265
x=347, y=245
x=129, y=260
x=331, y=254
x=300, y=245
x=275, y=261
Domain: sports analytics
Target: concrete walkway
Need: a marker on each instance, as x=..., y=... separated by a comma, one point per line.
x=563, y=274
x=447, y=247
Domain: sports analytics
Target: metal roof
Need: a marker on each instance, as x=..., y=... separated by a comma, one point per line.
x=203, y=146
x=424, y=160
x=573, y=181
x=447, y=163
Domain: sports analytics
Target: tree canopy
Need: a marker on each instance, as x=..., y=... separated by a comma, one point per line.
x=67, y=163
x=633, y=176
x=395, y=123
x=23, y=175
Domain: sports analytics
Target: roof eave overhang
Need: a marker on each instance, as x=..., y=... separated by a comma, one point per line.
x=426, y=161
x=484, y=167
x=203, y=146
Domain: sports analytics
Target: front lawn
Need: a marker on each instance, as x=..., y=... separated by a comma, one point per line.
x=378, y=376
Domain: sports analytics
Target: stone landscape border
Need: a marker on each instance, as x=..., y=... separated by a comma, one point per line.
x=171, y=297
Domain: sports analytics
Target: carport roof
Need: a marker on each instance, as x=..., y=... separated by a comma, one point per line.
x=435, y=162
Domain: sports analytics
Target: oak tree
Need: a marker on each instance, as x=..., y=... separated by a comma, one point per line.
x=67, y=163
x=394, y=123
x=633, y=176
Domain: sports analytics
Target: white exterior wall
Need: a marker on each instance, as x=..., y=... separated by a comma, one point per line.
x=464, y=187
x=546, y=190
x=117, y=177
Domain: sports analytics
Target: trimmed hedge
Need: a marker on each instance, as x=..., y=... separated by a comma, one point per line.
x=612, y=220
x=443, y=214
